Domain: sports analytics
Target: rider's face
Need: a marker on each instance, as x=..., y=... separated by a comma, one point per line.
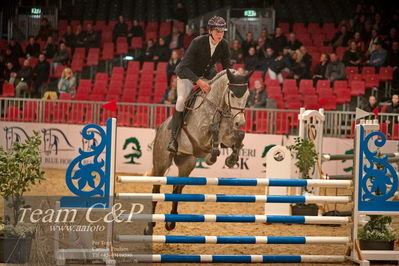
x=217, y=35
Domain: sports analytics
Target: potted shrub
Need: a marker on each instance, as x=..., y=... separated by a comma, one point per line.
x=377, y=234
x=19, y=170
x=306, y=155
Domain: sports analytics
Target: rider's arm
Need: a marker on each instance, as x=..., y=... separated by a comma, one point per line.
x=183, y=70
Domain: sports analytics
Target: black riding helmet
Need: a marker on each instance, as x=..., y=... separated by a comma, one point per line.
x=217, y=23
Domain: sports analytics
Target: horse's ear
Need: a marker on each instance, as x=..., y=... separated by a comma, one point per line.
x=247, y=76
x=230, y=75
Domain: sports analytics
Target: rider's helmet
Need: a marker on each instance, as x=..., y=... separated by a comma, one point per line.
x=217, y=23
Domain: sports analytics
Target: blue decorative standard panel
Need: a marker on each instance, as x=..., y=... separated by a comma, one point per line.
x=378, y=180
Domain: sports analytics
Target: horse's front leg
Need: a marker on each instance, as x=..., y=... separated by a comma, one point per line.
x=177, y=189
x=215, y=152
x=232, y=159
x=149, y=229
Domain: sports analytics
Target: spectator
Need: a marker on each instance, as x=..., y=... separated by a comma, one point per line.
x=374, y=39
x=235, y=52
x=393, y=36
x=91, y=39
x=67, y=82
x=61, y=57
x=258, y=96
x=265, y=35
x=378, y=57
x=320, y=69
x=341, y=38
x=378, y=25
x=41, y=74
x=9, y=57
x=135, y=31
x=16, y=48
x=79, y=37
x=279, y=41
x=175, y=39
x=353, y=56
x=188, y=37
x=33, y=48
x=261, y=52
x=393, y=108
x=306, y=59
x=10, y=72
x=360, y=23
x=279, y=63
x=371, y=104
x=335, y=69
x=50, y=47
x=358, y=40
x=45, y=30
x=366, y=34
x=68, y=38
x=202, y=31
x=23, y=79
x=161, y=51
x=248, y=43
x=269, y=58
x=293, y=43
x=170, y=95
x=251, y=61
x=173, y=62
x=180, y=13
x=298, y=67
x=241, y=71
x=393, y=61
x=120, y=29
x=147, y=52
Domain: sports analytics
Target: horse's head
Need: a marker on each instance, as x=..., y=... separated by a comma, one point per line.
x=236, y=97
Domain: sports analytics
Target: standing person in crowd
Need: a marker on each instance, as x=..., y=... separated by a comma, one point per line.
x=353, y=56
x=61, y=57
x=147, y=52
x=251, y=60
x=393, y=61
x=293, y=43
x=91, y=39
x=320, y=69
x=170, y=95
x=33, y=48
x=120, y=29
x=172, y=64
x=188, y=37
x=175, y=39
x=236, y=52
x=161, y=51
x=335, y=69
x=378, y=56
x=371, y=104
x=41, y=74
x=358, y=40
x=341, y=38
x=258, y=96
x=374, y=39
x=50, y=48
x=79, y=38
x=45, y=29
x=279, y=41
x=23, y=79
x=67, y=83
x=248, y=43
x=16, y=48
x=199, y=61
x=68, y=38
x=180, y=13
x=135, y=31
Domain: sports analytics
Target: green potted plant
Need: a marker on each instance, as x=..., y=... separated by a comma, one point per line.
x=377, y=234
x=306, y=155
x=19, y=170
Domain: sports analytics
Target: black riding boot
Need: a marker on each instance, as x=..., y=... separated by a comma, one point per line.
x=177, y=121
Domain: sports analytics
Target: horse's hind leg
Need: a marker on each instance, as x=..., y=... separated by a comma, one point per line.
x=185, y=164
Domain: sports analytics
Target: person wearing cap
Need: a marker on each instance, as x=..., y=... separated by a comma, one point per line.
x=378, y=56
x=199, y=62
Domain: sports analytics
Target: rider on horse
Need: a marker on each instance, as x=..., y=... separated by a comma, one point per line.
x=199, y=61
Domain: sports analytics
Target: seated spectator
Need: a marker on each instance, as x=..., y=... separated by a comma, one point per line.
x=61, y=57
x=170, y=95
x=270, y=56
x=161, y=52
x=45, y=30
x=41, y=74
x=353, y=56
x=258, y=96
x=241, y=71
x=359, y=24
x=293, y=43
x=67, y=82
x=279, y=41
x=120, y=29
x=265, y=35
x=378, y=57
x=392, y=37
x=180, y=13
x=377, y=23
x=135, y=31
x=9, y=57
x=68, y=38
x=393, y=108
x=374, y=39
x=251, y=61
x=341, y=38
x=202, y=31
x=16, y=48
x=23, y=79
x=10, y=72
x=33, y=48
x=277, y=65
x=371, y=104
x=175, y=39
x=247, y=43
x=393, y=61
x=91, y=39
x=358, y=40
x=306, y=59
x=366, y=34
x=298, y=67
x=320, y=69
x=79, y=37
x=50, y=47
x=172, y=64
x=235, y=52
x=188, y=37
x=335, y=69
x=147, y=52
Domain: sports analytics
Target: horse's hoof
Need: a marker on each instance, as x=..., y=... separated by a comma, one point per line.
x=149, y=229
x=230, y=162
x=170, y=226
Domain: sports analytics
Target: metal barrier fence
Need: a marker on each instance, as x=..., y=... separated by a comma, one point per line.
x=262, y=121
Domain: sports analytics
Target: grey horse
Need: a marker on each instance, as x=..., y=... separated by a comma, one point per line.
x=215, y=118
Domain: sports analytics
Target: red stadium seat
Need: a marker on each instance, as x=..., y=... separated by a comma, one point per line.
x=357, y=88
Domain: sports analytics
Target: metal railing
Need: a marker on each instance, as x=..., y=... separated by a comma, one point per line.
x=262, y=121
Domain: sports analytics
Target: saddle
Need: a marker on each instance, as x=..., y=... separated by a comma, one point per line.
x=189, y=103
